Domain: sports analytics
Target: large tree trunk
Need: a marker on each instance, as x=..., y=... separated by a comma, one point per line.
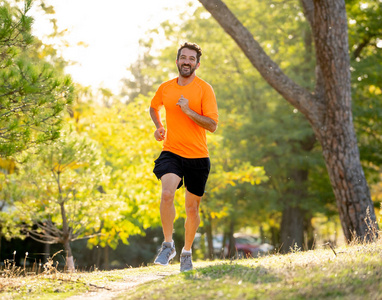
x=106, y=264
x=336, y=133
x=292, y=229
x=207, y=220
x=292, y=222
x=328, y=109
x=231, y=240
x=308, y=232
x=210, y=245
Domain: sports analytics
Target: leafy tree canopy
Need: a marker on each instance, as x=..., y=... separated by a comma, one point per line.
x=32, y=93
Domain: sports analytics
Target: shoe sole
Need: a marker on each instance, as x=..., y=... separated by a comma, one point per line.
x=170, y=258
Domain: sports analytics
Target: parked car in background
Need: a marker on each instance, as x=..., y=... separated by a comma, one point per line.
x=245, y=246
x=248, y=246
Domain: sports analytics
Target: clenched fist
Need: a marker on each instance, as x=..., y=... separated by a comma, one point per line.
x=183, y=103
x=159, y=134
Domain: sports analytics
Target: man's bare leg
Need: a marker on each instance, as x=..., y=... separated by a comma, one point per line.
x=193, y=219
x=170, y=183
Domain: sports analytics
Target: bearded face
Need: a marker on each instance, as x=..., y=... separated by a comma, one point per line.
x=186, y=70
x=187, y=62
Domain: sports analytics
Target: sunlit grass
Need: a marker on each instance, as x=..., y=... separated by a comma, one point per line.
x=353, y=272
x=52, y=284
x=349, y=272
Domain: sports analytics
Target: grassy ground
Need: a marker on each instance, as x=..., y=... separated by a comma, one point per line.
x=352, y=272
x=96, y=284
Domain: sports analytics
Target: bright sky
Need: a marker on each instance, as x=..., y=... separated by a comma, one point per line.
x=111, y=29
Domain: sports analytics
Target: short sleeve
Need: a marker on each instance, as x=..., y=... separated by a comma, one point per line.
x=209, y=104
x=157, y=101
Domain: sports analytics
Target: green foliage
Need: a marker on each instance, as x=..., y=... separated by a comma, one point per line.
x=232, y=185
x=32, y=93
x=364, y=33
x=62, y=187
x=8, y=216
x=125, y=135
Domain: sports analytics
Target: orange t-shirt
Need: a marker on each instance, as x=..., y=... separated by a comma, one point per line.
x=183, y=136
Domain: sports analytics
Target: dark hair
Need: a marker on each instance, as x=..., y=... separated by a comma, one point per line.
x=191, y=46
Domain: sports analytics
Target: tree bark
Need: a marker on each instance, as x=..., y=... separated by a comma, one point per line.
x=337, y=134
x=231, y=240
x=106, y=264
x=328, y=109
x=292, y=222
x=292, y=230
x=293, y=216
x=69, y=257
x=308, y=232
x=208, y=228
x=66, y=238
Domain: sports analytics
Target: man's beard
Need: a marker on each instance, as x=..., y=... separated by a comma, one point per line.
x=186, y=73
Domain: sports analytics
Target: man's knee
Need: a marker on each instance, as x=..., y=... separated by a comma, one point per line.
x=167, y=196
x=192, y=211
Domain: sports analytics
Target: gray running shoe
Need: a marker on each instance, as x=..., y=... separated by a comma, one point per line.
x=185, y=262
x=166, y=253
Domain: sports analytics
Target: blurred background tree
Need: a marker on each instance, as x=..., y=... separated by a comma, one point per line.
x=323, y=106
x=63, y=198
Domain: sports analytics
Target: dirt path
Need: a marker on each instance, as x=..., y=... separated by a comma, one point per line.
x=112, y=289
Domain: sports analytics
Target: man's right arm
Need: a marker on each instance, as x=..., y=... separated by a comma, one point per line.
x=160, y=132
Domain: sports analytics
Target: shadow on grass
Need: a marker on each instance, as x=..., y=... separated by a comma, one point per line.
x=256, y=275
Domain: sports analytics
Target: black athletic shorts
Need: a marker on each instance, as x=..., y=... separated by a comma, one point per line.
x=194, y=171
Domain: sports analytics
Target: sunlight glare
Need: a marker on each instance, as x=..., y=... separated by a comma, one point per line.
x=103, y=38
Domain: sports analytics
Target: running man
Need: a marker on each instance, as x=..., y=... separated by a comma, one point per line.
x=191, y=109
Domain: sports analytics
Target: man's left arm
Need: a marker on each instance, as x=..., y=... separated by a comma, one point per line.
x=202, y=121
